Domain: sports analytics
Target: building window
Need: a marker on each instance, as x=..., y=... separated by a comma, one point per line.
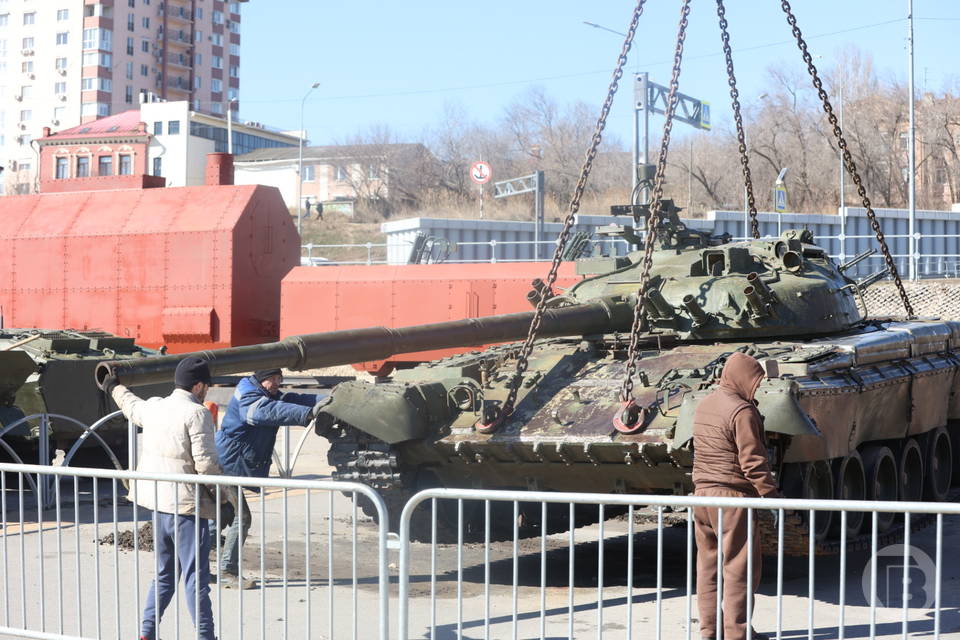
x=126, y=165
x=83, y=167
x=158, y=166
x=218, y=17
x=26, y=91
x=62, y=37
x=103, y=109
x=216, y=85
x=234, y=27
x=60, y=88
x=98, y=84
x=129, y=46
x=61, y=63
x=197, y=82
x=130, y=22
x=94, y=58
x=26, y=67
x=309, y=173
x=105, y=166
x=217, y=39
x=234, y=71
x=58, y=113
x=235, y=8
x=131, y=3
x=197, y=60
x=234, y=49
x=63, y=15
x=217, y=62
x=26, y=166
x=373, y=172
x=217, y=108
x=145, y=21
x=198, y=36
x=4, y=19
x=145, y=46
x=62, y=169
x=128, y=94
x=129, y=70
x=158, y=128
x=340, y=173
x=26, y=115
x=29, y=18
x=198, y=14
x=144, y=70
x=173, y=127
x=27, y=43
x=98, y=39
x=88, y=109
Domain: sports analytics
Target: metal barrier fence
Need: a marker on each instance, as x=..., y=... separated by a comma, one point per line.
x=930, y=263
x=661, y=604
x=313, y=580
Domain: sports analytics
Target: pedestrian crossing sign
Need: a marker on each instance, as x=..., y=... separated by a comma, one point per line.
x=780, y=198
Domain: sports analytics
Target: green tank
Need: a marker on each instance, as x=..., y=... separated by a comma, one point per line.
x=50, y=371
x=855, y=406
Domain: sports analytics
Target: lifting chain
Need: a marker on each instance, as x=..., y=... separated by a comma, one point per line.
x=741, y=137
x=847, y=157
x=491, y=422
x=653, y=221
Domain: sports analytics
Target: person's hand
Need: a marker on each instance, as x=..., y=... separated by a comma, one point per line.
x=315, y=411
x=109, y=384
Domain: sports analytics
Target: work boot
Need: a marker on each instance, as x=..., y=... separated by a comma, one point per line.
x=233, y=581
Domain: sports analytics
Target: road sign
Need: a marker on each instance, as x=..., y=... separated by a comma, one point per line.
x=704, y=115
x=779, y=198
x=480, y=172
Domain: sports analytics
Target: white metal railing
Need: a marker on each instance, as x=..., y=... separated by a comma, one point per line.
x=643, y=608
x=89, y=588
x=928, y=263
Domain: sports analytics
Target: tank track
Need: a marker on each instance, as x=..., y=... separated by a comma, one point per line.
x=796, y=535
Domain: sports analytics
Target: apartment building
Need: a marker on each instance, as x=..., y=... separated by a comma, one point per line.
x=68, y=62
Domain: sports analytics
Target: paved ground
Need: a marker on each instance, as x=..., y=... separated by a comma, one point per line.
x=288, y=607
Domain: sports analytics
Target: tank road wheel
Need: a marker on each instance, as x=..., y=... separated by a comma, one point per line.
x=882, y=482
x=939, y=459
x=910, y=472
x=851, y=484
x=818, y=485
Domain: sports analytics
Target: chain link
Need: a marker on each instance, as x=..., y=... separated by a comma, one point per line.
x=524, y=356
x=741, y=137
x=656, y=210
x=847, y=157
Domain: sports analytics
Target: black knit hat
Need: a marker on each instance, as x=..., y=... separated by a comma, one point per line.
x=263, y=374
x=190, y=371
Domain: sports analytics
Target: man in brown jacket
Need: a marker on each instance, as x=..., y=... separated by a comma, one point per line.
x=730, y=460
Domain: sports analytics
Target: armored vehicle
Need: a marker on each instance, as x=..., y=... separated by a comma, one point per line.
x=48, y=371
x=855, y=406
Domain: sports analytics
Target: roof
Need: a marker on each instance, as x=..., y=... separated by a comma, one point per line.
x=121, y=124
x=333, y=152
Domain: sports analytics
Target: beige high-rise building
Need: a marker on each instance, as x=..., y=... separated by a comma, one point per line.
x=66, y=62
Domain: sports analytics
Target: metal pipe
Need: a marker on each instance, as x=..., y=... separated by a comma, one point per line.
x=659, y=305
x=912, y=150
x=700, y=317
x=376, y=343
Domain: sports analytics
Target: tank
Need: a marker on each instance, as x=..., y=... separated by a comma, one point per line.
x=855, y=406
x=51, y=371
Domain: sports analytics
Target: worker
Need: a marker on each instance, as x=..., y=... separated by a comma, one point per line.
x=319, y=210
x=178, y=437
x=730, y=461
x=245, y=444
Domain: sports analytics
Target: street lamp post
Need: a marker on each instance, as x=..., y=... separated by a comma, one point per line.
x=230, y=125
x=303, y=104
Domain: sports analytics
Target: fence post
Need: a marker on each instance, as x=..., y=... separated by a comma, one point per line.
x=131, y=445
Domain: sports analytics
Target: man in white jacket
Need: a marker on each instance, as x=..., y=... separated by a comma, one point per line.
x=178, y=436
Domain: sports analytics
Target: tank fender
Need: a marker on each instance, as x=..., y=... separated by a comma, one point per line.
x=776, y=400
x=389, y=412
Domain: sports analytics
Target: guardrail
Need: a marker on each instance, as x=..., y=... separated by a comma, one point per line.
x=929, y=264
x=634, y=606
x=100, y=593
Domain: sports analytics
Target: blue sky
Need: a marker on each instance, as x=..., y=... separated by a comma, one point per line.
x=398, y=63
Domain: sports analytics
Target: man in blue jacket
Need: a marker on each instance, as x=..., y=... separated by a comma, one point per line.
x=245, y=444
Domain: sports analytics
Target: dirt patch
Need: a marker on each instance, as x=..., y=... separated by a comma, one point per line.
x=144, y=539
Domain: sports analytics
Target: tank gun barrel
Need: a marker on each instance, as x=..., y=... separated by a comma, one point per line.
x=315, y=350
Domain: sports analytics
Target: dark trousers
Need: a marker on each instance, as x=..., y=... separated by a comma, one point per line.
x=735, y=553
x=193, y=562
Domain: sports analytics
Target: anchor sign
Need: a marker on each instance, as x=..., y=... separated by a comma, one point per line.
x=480, y=172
